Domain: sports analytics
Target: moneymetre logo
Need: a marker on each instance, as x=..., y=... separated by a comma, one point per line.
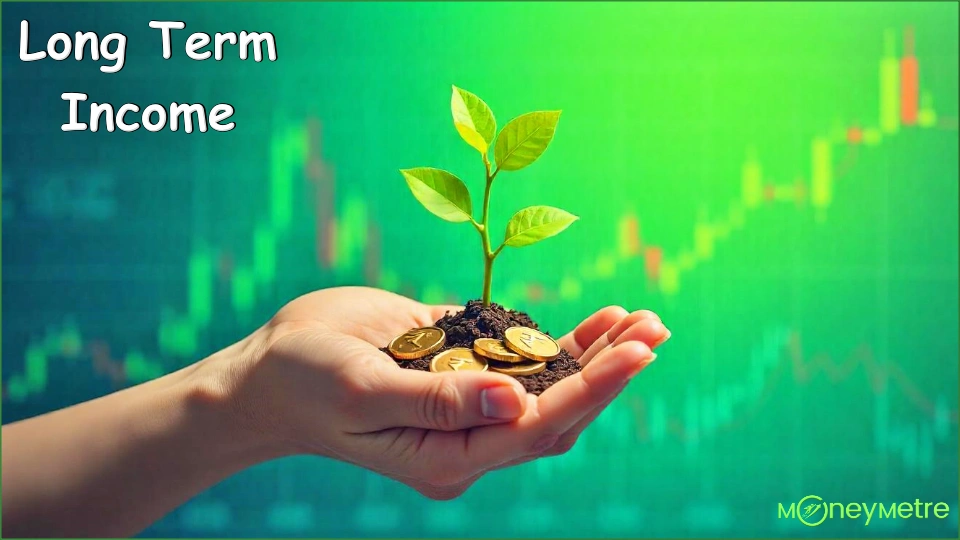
x=812, y=510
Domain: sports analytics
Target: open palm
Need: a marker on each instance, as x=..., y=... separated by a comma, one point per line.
x=320, y=383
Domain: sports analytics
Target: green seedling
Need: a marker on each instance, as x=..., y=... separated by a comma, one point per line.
x=519, y=143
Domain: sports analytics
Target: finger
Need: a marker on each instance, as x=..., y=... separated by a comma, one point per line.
x=557, y=410
x=588, y=331
x=611, y=335
x=445, y=401
x=646, y=330
x=643, y=331
x=569, y=439
x=566, y=441
x=649, y=331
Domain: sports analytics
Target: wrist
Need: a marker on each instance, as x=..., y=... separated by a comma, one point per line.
x=213, y=408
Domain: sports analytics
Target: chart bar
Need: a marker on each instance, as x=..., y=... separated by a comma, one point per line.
x=909, y=81
x=926, y=116
x=703, y=240
x=629, y=236
x=200, y=284
x=669, y=278
x=243, y=290
x=889, y=86
x=264, y=255
x=752, y=184
x=822, y=177
x=652, y=259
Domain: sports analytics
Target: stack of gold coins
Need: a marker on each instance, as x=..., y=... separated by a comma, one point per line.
x=503, y=360
x=535, y=349
x=523, y=351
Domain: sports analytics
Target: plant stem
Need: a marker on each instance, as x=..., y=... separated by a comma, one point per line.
x=487, y=279
x=488, y=254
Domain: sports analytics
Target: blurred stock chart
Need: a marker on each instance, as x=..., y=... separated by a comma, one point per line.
x=778, y=181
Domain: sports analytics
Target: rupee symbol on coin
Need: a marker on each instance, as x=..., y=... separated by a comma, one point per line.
x=455, y=363
x=526, y=338
x=414, y=337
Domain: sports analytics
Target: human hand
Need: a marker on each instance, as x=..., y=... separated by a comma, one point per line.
x=313, y=380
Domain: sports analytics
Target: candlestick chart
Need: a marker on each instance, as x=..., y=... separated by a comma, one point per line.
x=791, y=215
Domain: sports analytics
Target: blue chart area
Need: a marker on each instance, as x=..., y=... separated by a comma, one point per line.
x=801, y=244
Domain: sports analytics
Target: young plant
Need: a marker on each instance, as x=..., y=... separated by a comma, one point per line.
x=518, y=144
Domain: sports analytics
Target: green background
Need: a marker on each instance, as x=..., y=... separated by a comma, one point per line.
x=815, y=343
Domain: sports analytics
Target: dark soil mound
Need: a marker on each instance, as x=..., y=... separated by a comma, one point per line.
x=476, y=321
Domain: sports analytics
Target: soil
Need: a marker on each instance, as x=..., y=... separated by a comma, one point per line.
x=476, y=321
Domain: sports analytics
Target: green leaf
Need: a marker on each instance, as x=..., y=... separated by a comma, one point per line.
x=534, y=223
x=473, y=119
x=524, y=138
x=440, y=192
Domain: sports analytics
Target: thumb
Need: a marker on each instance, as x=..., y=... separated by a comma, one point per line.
x=446, y=401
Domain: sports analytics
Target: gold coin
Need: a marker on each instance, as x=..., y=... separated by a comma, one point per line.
x=458, y=359
x=518, y=370
x=531, y=344
x=417, y=343
x=495, y=350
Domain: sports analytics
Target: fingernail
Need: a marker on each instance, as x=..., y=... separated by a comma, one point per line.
x=666, y=336
x=501, y=402
x=637, y=368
